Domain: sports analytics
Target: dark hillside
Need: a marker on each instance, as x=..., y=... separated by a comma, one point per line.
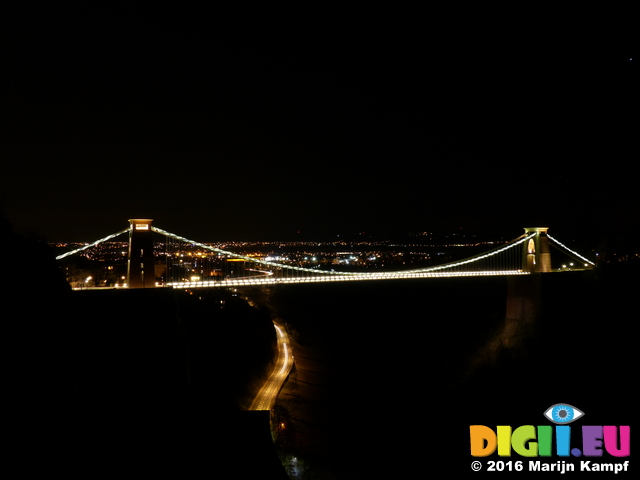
x=126, y=380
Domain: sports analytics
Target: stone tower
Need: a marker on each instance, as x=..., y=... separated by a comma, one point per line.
x=536, y=256
x=140, y=268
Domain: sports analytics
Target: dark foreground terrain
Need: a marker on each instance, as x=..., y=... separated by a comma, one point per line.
x=389, y=375
x=136, y=382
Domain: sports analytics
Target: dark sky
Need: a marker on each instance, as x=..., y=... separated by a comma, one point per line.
x=258, y=123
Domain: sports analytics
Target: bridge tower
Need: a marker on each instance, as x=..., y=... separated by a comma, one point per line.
x=536, y=256
x=140, y=267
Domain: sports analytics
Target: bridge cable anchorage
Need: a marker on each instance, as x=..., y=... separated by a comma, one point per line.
x=571, y=251
x=97, y=242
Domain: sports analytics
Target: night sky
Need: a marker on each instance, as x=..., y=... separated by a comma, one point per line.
x=259, y=123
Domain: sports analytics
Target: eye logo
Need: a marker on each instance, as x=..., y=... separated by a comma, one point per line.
x=563, y=413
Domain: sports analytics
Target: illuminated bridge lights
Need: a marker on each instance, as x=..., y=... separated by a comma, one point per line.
x=569, y=250
x=338, y=278
x=332, y=272
x=108, y=237
x=271, y=272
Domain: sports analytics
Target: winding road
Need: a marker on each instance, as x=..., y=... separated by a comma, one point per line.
x=266, y=397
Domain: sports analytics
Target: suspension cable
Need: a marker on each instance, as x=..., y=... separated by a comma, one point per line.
x=109, y=237
x=498, y=250
x=516, y=242
x=245, y=257
x=451, y=265
x=569, y=250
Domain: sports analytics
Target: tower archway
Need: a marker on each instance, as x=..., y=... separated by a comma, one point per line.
x=536, y=256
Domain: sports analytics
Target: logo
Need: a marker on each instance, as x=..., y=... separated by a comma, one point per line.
x=589, y=441
x=563, y=413
x=534, y=441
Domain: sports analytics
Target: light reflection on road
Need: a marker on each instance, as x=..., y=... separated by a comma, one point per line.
x=266, y=397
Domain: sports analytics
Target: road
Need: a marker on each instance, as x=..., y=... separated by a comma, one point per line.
x=266, y=397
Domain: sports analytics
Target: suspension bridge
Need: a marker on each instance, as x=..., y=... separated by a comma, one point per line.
x=203, y=265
